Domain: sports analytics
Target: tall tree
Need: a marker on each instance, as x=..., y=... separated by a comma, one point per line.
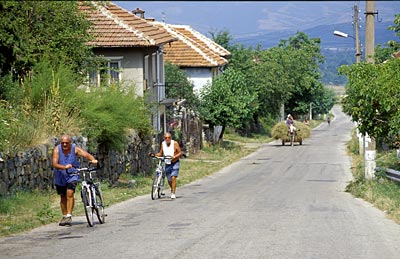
x=178, y=86
x=372, y=97
x=31, y=30
x=304, y=71
x=227, y=101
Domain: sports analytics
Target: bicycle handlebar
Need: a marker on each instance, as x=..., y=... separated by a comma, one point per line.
x=82, y=169
x=163, y=157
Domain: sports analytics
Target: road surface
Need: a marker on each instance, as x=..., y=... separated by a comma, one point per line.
x=279, y=202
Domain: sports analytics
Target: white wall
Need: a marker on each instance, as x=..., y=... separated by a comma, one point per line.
x=132, y=66
x=199, y=77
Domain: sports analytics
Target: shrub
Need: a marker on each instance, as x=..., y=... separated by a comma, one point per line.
x=109, y=111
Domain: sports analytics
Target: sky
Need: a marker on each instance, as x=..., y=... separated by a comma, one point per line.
x=246, y=18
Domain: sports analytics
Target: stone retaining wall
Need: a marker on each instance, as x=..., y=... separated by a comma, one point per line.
x=32, y=169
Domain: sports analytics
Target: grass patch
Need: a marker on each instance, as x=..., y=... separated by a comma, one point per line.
x=256, y=138
x=380, y=191
x=24, y=211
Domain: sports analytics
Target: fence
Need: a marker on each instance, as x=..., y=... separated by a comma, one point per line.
x=390, y=173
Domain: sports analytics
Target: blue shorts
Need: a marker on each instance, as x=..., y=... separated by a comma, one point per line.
x=172, y=170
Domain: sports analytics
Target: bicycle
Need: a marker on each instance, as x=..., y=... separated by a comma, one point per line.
x=159, y=176
x=91, y=195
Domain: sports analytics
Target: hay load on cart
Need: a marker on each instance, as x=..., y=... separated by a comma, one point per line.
x=280, y=131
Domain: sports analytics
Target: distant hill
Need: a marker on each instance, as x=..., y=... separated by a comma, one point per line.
x=336, y=50
x=325, y=33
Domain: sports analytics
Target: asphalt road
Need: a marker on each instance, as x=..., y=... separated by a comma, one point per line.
x=279, y=202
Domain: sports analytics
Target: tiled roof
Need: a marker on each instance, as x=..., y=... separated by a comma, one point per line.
x=114, y=26
x=192, y=49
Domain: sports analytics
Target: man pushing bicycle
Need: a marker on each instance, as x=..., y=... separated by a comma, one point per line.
x=171, y=148
x=64, y=157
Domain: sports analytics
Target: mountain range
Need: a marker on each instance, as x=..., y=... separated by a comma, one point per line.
x=325, y=33
x=267, y=22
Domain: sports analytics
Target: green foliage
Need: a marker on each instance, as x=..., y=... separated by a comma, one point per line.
x=109, y=112
x=372, y=97
x=286, y=74
x=178, y=86
x=333, y=59
x=222, y=38
x=45, y=213
x=30, y=30
x=227, y=101
x=396, y=26
x=305, y=55
x=383, y=53
x=9, y=89
x=353, y=145
x=40, y=86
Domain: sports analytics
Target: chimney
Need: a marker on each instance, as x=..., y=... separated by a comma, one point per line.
x=138, y=12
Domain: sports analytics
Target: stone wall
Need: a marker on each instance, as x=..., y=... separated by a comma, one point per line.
x=32, y=169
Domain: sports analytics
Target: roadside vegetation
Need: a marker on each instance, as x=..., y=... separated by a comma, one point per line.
x=371, y=99
x=383, y=193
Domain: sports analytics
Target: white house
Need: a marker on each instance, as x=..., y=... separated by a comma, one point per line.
x=133, y=49
x=199, y=56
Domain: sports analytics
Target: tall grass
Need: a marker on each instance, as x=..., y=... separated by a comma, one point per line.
x=380, y=191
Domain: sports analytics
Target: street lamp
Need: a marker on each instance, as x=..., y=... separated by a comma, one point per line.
x=357, y=40
x=341, y=34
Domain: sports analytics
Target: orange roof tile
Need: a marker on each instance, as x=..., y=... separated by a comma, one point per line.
x=114, y=26
x=192, y=49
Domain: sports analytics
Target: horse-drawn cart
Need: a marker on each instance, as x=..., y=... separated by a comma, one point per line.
x=280, y=132
x=292, y=138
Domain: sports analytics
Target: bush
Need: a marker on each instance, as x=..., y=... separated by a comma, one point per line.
x=109, y=112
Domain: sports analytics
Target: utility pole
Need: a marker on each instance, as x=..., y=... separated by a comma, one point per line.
x=357, y=37
x=358, y=59
x=370, y=143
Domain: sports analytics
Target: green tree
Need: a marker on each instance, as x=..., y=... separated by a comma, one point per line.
x=372, y=97
x=304, y=72
x=178, y=86
x=222, y=38
x=383, y=53
x=31, y=30
x=227, y=101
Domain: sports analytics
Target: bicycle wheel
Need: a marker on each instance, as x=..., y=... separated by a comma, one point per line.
x=161, y=186
x=155, y=189
x=87, y=205
x=292, y=139
x=99, y=207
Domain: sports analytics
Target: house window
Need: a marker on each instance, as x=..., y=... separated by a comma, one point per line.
x=109, y=73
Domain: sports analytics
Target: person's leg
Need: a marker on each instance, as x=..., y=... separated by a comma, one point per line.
x=70, y=201
x=168, y=171
x=63, y=204
x=173, y=184
x=62, y=191
x=174, y=175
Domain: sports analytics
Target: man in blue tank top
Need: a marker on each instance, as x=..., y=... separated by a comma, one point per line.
x=65, y=157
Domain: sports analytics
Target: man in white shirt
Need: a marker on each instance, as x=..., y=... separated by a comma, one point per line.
x=171, y=148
